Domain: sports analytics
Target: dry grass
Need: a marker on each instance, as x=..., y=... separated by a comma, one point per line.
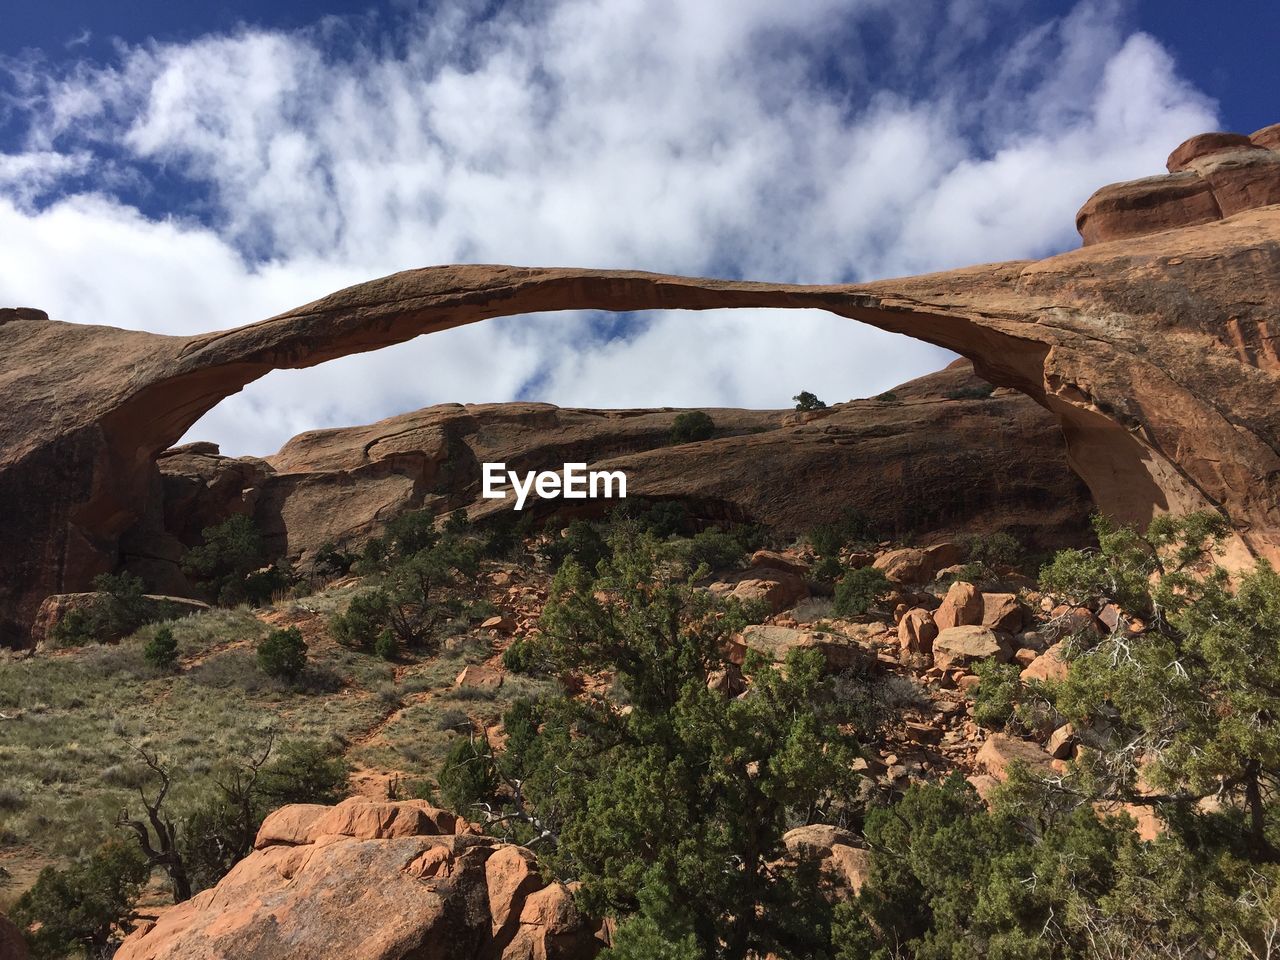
x=68, y=755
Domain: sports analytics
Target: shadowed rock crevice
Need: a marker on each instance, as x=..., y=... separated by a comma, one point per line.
x=1155, y=352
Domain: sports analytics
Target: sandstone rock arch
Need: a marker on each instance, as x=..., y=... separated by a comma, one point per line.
x=1156, y=352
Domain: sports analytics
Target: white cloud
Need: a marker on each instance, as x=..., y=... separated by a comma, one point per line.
x=817, y=140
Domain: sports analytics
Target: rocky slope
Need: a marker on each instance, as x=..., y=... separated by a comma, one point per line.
x=424, y=883
x=1154, y=352
x=937, y=456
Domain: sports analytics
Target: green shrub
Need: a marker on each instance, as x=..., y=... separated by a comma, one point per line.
x=807, y=401
x=120, y=608
x=997, y=695
x=718, y=549
x=827, y=570
x=387, y=646
x=332, y=561
x=858, y=590
x=231, y=565
x=282, y=654
x=995, y=550
x=85, y=905
x=888, y=397
x=305, y=772
x=161, y=650
x=519, y=657
x=979, y=392
x=663, y=519
x=469, y=775
x=366, y=618
x=852, y=529
x=692, y=425
x=581, y=541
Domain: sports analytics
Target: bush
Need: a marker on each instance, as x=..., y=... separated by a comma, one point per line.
x=859, y=589
x=888, y=397
x=332, y=561
x=282, y=654
x=718, y=549
x=519, y=657
x=582, y=542
x=995, y=550
x=827, y=570
x=996, y=699
x=692, y=425
x=81, y=907
x=387, y=646
x=366, y=618
x=978, y=392
x=305, y=772
x=161, y=650
x=663, y=519
x=469, y=775
x=853, y=528
x=120, y=608
x=807, y=401
x=231, y=564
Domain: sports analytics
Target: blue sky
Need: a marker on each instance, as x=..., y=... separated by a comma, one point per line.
x=181, y=167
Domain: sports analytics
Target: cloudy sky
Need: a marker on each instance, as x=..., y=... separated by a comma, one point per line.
x=181, y=172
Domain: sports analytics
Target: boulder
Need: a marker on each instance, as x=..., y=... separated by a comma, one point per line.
x=779, y=589
x=357, y=817
x=962, y=606
x=1049, y=666
x=374, y=889
x=1068, y=621
x=905, y=565
x=503, y=624
x=779, y=561
x=909, y=565
x=1001, y=611
x=54, y=610
x=1268, y=137
x=916, y=632
x=479, y=676
x=961, y=646
x=1211, y=176
x=1061, y=742
x=1204, y=144
x=776, y=642
x=837, y=852
x=1001, y=751
x=12, y=944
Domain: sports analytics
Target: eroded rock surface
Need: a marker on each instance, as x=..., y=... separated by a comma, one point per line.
x=376, y=880
x=1156, y=353
x=921, y=463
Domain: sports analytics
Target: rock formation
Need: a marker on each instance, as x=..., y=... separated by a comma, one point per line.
x=375, y=880
x=923, y=462
x=1154, y=352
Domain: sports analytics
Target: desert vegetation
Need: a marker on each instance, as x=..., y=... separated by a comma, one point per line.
x=635, y=730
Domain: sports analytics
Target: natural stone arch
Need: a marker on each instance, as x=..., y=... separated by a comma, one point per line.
x=1155, y=353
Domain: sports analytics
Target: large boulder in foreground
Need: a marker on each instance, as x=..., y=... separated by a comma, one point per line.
x=374, y=880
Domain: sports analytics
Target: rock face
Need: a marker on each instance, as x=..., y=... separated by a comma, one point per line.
x=12, y=945
x=1211, y=176
x=377, y=880
x=1156, y=355
x=918, y=464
